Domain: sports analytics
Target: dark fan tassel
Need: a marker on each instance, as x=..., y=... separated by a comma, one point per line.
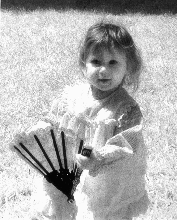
x=76, y=172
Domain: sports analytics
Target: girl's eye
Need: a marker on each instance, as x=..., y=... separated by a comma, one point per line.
x=112, y=62
x=95, y=62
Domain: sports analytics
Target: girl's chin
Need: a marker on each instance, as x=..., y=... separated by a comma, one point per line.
x=101, y=93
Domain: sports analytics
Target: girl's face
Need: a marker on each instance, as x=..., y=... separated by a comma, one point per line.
x=105, y=69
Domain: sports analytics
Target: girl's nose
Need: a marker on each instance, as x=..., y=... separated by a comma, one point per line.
x=103, y=72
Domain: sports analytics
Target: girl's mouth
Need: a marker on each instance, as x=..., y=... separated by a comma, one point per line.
x=104, y=81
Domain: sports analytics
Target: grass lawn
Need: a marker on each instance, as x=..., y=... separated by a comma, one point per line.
x=39, y=57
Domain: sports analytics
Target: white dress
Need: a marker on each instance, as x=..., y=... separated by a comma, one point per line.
x=114, y=187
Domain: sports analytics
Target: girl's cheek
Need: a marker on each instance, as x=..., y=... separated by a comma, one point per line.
x=92, y=71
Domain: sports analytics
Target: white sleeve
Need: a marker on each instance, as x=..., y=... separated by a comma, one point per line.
x=125, y=142
x=118, y=148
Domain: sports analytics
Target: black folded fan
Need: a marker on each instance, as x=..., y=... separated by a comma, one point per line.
x=64, y=179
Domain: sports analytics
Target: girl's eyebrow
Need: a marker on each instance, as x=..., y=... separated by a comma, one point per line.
x=93, y=57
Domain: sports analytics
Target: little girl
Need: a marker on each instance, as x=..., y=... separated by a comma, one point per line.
x=112, y=184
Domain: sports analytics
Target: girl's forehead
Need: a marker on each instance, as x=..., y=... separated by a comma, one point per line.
x=100, y=52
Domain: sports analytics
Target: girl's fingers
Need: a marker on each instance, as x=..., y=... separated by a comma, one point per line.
x=84, y=162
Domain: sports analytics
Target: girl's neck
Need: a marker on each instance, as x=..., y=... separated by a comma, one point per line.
x=99, y=94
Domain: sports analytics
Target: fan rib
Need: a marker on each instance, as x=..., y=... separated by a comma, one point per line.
x=64, y=149
x=29, y=161
x=56, y=149
x=80, y=146
x=38, y=163
x=43, y=151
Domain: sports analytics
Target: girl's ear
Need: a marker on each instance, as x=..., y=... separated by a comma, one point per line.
x=126, y=78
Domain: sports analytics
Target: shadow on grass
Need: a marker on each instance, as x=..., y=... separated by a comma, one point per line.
x=110, y=6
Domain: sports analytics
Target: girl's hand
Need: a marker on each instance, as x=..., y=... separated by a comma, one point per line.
x=86, y=162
